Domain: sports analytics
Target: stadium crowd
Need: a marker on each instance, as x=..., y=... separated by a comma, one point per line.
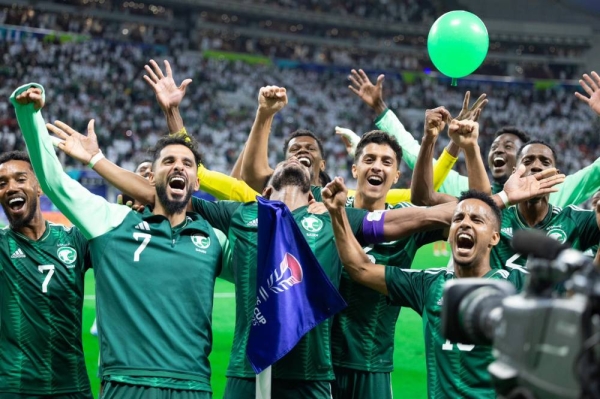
x=220, y=103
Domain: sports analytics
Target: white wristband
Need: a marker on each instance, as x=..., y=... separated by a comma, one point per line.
x=95, y=159
x=504, y=197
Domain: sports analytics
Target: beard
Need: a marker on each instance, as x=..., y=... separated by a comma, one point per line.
x=172, y=206
x=291, y=177
x=19, y=223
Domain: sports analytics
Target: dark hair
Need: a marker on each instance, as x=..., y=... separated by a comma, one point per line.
x=172, y=139
x=524, y=137
x=465, y=195
x=378, y=137
x=304, y=133
x=542, y=142
x=15, y=156
x=324, y=178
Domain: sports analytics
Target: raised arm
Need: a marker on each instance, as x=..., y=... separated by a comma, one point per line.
x=353, y=257
x=465, y=134
x=422, y=190
x=92, y=214
x=255, y=168
x=84, y=148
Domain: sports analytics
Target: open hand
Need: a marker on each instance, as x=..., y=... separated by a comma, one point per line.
x=168, y=94
x=371, y=94
x=519, y=188
x=473, y=113
x=74, y=144
x=591, y=85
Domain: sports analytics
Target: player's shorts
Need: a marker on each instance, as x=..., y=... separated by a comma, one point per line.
x=357, y=384
x=117, y=390
x=245, y=388
x=75, y=395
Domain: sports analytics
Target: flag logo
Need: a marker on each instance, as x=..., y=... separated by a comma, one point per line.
x=201, y=241
x=558, y=234
x=312, y=224
x=67, y=255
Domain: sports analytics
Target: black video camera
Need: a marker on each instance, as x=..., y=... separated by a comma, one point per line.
x=546, y=340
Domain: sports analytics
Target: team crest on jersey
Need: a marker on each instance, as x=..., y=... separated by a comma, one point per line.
x=67, y=255
x=312, y=224
x=557, y=234
x=201, y=242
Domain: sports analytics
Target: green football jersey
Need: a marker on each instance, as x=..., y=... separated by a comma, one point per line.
x=142, y=298
x=311, y=357
x=41, y=300
x=363, y=333
x=572, y=224
x=453, y=370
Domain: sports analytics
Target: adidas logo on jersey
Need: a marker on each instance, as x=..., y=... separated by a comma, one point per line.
x=507, y=231
x=253, y=223
x=143, y=226
x=18, y=254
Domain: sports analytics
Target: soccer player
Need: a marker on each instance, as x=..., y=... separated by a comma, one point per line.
x=155, y=271
x=577, y=188
x=453, y=370
x=42, y=267
x=363, y=333
x=592, y=252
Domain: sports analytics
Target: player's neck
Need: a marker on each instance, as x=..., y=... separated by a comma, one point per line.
x=292, y=196
x=370, y=204
x=479, y=268
x=35, y=229
x=174, y=219
x=534, y=211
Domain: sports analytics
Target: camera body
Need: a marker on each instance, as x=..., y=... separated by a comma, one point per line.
x=546, y=339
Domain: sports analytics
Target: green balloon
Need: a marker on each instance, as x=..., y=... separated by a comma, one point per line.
x=458, y=43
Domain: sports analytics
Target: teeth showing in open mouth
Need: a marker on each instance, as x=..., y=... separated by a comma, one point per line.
x=16, y=203
x=499, y=162
x=305, y=161
x=465, y=241
x=177, y=183
x=375, y=180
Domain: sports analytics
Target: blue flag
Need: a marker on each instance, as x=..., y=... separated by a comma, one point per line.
x=293, y=292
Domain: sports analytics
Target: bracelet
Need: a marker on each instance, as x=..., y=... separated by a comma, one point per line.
x=504, y=197
x=95, y=159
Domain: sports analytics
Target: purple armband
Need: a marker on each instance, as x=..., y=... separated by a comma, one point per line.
x=373, y=227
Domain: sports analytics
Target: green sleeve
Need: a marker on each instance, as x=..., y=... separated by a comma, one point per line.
x=217, y=213
x=356, y=217
x=92, y=214
x=586, y=225
x=389, y=122
x=226, y=269
x=454, y=184
x=406, y=287
x=578, y=187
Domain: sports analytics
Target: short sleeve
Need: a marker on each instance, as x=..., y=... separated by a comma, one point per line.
x=406, y=287
x=217, y=213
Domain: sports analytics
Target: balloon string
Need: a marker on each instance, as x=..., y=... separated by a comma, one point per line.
x=454, y=82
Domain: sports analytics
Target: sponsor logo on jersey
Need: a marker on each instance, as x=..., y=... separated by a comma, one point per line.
x=201, y=242
x=252, y=223
x=557, y=234
x=18, y=254
x=67, y=255
x=312, y=224
x=282, y=279
x=507, y=231
x=143, y=226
